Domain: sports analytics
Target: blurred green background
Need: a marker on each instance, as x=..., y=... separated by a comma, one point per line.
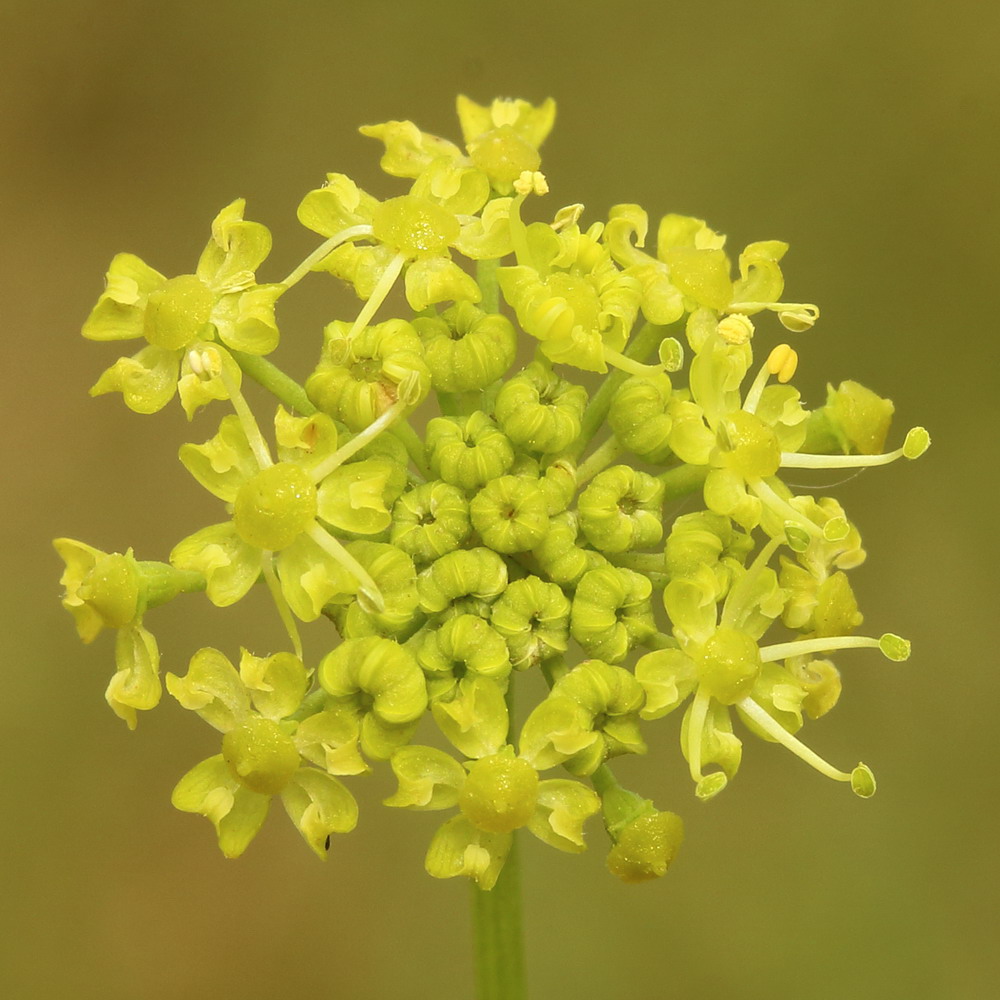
x=863, y=133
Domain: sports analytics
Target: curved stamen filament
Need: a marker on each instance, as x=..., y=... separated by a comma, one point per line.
x=343, y=453
x=381, y=290
x=777, y=732
x=696, y=728
x=284, y=611
x=629, y=365
x=781, y=650
x=802, y=460
x=323, y=250
x=247, y=421
x=369, y=597
x=735, y=605
x=771, y=500
x=756, y=389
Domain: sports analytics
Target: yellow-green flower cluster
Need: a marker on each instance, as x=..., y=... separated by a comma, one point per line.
x=529, y=521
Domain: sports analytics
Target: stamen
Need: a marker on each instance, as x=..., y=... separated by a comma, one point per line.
x=629, y=365
x=352, y=447
x=779, y=734
x=379, y=293
x=369, y=596
x=284, y=611
x=243, y=412
x=735, y=605
x=696, y=728
x=736, y=329
x=891, y=646
x=783, y=361
x=323, y=251
x=531, y=182
x=753, y=395
x=916, y=443
x=775, y=503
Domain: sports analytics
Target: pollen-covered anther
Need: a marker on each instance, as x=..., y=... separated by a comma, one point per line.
x=531, y=182
x=782, y=362
x=205, y=362
x=736, y=329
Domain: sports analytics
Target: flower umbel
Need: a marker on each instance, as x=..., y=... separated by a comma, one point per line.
x=453, y=521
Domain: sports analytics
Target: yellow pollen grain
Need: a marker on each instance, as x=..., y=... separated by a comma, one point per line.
x=783, y=361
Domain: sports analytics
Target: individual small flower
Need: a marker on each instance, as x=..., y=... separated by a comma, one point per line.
x=720, y=662
x=621, y=510
x=533, y=617
x=496, y=795
x=467, y=664
x=591, y=714
x=510, y=514
x=361, y=375
x=380, y=683
x=569, y=295
x=463, y=581
x=279, y=510
x=466, y=349
x=262, y=754
x=540, y=411
x=430, y=520
x=611, y=614
x=639, y=416
x=114, y=590
x=467, y=452
x=220, y=301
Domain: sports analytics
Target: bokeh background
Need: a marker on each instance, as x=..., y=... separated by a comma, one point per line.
x=863, y=133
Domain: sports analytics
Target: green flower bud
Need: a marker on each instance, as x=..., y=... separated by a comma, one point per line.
x=510, y=514
x=467, y=452
x=706, y=539
x=466, y=579
x=356, y=381
x=611, y=612
x=260, y=755
x=396, y=578
x=500, y=793
x=558, y=555
x=639, y=417
x=465, y=349
x=463, y=645
x=591, y=714
x=383, y=683
x=540, y=411
x=430, y=521
x=274, y=507
x=645, y=848
x=533, y=616
x=621, y=510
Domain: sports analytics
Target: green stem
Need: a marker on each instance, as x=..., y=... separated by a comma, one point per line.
x=598, y=460
x=496, y=920
x=644, y=342
x=272, y=378
x=486, y=276
x=499, y=950
x=682, y=480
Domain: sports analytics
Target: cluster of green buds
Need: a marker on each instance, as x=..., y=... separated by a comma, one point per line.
x=599, y=502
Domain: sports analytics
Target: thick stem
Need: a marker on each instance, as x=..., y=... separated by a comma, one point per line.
x=499, y=946
x=496, y=920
